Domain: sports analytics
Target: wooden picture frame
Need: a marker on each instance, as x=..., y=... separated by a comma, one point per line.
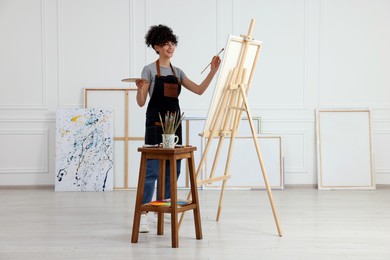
x=245, y=175
x=344, y=149
x=118, y=99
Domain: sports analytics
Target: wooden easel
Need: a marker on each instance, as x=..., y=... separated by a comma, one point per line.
x=226, y=122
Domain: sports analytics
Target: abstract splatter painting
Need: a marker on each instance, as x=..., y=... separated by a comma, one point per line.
x=84, y=150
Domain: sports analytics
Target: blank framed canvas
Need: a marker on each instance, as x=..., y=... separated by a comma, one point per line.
x=344, y=149
x=231, y=60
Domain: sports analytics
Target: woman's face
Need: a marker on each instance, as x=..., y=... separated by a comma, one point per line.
x=166, y=50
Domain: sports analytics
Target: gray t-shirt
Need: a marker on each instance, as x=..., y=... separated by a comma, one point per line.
x=150, y=71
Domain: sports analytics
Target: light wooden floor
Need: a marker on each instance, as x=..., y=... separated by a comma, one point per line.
x=42, y=224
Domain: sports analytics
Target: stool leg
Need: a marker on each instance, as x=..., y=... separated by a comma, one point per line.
x=195, y=198
x=160, y=196
x=174, y=218
x=138, y=202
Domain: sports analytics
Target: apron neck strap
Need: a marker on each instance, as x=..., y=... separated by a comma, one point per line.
x=159, y=73
x=158, y=68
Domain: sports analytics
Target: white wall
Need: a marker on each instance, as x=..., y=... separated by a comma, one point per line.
x=315, y=54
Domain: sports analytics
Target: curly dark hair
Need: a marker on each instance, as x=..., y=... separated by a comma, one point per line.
x=159, y=35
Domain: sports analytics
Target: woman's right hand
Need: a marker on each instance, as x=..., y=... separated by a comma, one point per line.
x=142, y=83
x=142, y=91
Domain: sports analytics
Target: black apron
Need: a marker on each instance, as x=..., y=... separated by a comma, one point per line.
x=165, y=97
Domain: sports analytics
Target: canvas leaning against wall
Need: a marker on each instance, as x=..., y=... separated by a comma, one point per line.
x=84, y=150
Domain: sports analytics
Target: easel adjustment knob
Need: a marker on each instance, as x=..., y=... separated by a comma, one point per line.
x=247, y=38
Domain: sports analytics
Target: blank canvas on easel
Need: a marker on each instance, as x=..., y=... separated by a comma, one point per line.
x=234, y=47
x=344, y=146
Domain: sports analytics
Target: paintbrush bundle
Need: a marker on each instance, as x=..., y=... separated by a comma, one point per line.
x=171, y=122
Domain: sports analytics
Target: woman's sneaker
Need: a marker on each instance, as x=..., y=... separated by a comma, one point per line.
x=143, y=227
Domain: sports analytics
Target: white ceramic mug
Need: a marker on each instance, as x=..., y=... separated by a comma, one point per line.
x=169, y=140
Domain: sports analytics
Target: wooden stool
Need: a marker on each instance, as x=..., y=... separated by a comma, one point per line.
x=163, y=155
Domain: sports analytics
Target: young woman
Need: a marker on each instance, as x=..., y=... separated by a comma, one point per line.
x=163, y=82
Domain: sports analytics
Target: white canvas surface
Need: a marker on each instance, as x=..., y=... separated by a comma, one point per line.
x=344, y=149
x=230, y=61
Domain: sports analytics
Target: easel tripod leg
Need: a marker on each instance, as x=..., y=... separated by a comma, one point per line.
x=221, y=196
x=260, y=157
x=269, y=190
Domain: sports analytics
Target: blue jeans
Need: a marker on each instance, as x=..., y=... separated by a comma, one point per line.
x=152, y=172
